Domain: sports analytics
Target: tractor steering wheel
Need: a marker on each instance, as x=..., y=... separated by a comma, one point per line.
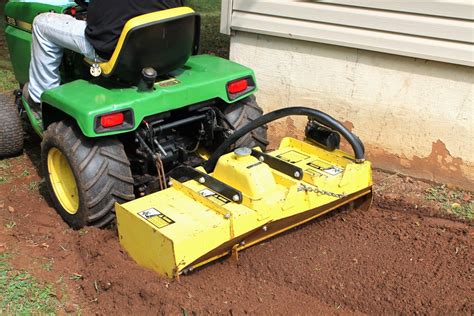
x=82, y=3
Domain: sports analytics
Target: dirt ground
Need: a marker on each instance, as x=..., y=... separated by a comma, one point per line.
x=405, y=255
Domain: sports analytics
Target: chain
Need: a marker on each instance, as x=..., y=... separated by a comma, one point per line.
x=317, y=190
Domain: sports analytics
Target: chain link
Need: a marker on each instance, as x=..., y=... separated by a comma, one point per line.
x=317, y=190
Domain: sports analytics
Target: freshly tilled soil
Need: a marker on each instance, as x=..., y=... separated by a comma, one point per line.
x=399, y=257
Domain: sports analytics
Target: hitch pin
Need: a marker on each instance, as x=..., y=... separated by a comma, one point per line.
x=162, y=150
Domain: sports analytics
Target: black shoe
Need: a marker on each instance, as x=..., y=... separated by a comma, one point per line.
x=35, y=107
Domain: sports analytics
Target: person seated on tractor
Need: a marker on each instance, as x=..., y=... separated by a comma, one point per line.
x=95, y=39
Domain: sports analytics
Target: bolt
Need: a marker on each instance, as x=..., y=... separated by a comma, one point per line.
x=170, y=184
x=188, y=270
x=227, y=216
x=236, y=198
x=242, y=243
x=261, y=158
x=265, y=228
x=297, y=174
x=202, y=180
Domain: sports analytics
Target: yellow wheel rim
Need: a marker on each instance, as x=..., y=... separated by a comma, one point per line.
x=63, y=181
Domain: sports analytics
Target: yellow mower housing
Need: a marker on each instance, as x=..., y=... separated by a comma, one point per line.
x=249, y=197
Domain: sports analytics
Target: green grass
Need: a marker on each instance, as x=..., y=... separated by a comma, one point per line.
x=7, y=174
x=452, y=201
x=4, y=179
x=25, y=173
x=22, y=294
x=7, y=80
x=212, y=41
x=34, y=185
x=5, y=164
x=11, y=224
x=48, y=266
x=205, y=6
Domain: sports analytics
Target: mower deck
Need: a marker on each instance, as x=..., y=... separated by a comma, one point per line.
x=248, y=198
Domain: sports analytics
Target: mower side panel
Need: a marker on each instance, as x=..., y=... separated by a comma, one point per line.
x=19, y=44
x=19, y=18
x=203, y=78
x=26, y=12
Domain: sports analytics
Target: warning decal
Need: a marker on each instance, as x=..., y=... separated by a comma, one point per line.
x=292, y=156
x=169, y=82
x=311, y=172
x=214, y=197
x=325, y=167
x=156, y=218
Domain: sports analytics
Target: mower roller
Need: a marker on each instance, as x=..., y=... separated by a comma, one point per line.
x=172, y=144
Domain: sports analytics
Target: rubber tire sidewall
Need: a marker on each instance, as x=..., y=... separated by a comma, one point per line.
x=79, y=219
x=52, y=140
x=11, y=129
x=242, y=113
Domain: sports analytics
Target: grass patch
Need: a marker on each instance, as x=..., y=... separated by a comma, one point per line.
x=34, y=185
x=205, y=6
x=7, y=80
x=456, y=202
x=25, y=173
x=5, y=164
x=4, y=179
x=76, y=277
x=22, y=294
x=48, y=266
x=10, y=225
x=212, y=41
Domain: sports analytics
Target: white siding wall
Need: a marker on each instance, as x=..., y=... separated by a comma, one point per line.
x=399, y=73
x=434, y=30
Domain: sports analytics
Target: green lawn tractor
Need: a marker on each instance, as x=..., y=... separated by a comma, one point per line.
x=172, y=144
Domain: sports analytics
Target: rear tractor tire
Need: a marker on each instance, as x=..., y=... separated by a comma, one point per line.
x=242, y=113
x=85, y=176
x=11, y=130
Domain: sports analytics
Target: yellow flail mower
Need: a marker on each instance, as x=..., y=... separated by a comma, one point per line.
x=238, y=199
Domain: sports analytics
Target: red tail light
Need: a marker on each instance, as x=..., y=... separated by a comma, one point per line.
x=111, y=120
x=237, y=86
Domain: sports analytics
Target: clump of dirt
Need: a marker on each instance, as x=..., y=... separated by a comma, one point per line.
x=404, y=256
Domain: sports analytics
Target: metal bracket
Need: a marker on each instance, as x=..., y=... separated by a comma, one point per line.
x=279, y=165
x=185, y=173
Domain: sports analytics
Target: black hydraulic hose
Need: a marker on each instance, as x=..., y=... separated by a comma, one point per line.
x=312, y=114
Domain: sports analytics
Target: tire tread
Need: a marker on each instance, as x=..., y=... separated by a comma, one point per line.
x=11, y=129
x=242, y=113
x=103, y=175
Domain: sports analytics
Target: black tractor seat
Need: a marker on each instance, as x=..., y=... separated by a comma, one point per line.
x=162, y=40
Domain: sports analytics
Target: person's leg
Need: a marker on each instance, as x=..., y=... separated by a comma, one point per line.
x=51, y=33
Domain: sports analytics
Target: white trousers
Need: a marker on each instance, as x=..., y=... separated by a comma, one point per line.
x=52, y=33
